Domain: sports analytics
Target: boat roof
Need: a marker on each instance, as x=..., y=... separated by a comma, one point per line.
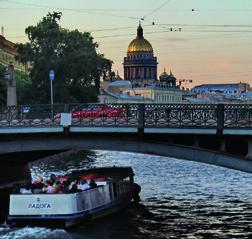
x=105, y=172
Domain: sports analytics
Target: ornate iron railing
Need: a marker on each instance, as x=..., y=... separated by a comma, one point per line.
x=238, y=116
x=180, y=115
x=130, y=115
x=100, y=115
x=29, y=115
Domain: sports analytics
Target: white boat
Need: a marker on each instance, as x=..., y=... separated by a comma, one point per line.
x=116, y=189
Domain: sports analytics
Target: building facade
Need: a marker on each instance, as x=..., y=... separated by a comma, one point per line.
x=222, y=89
x=8, y=52
x=121, y=91
x=140, y=64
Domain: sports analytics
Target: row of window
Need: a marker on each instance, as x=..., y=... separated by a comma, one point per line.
x=167, y=98
x=7, y=58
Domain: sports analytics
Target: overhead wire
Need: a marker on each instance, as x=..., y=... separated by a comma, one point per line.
x=71, y=9
x=155, y=10
x=129, y=17
x=168, y=31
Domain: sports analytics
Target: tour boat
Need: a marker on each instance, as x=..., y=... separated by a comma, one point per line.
x=115, y=190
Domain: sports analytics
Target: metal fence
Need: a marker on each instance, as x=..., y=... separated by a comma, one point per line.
x=130, y=115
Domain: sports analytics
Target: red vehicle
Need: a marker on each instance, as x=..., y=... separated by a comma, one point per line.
x=95, y=111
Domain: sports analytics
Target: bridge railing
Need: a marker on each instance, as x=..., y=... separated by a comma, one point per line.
x=217, y=116
x=29, y=115
x=100, y=115
x=181, y=115
x=237, y=116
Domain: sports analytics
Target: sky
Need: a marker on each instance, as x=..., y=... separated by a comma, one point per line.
x=212, y=46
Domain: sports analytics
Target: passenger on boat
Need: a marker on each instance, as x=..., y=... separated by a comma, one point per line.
x=26, y=189
x=53, y=178
x=58, y=186
x=50, y=188
x=65, y=186
x=73, y=188
x=92, y=183
x=38, y=185
x=83, y=185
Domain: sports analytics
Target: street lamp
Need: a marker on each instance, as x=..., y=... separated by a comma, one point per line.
x=51, y=76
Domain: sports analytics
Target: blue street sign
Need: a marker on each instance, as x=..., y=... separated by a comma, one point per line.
x=51, y=74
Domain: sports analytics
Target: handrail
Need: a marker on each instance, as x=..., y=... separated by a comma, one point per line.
x=213, y=116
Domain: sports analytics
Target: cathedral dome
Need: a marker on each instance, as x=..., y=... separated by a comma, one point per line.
x=140, y=43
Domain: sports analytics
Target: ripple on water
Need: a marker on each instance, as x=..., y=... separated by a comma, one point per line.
x=33, y=233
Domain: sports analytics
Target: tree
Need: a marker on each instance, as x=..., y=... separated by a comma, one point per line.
x=71, y=54
x=23, y=83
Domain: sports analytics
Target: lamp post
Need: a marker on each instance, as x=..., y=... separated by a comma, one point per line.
x=51, y=76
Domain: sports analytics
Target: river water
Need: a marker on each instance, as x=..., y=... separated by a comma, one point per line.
x=179, y=199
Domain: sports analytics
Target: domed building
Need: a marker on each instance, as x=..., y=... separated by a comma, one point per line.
x=141, y=84
x=140, y=65
x=169, y=80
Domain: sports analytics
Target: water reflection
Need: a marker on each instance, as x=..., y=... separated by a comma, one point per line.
x=180, y=199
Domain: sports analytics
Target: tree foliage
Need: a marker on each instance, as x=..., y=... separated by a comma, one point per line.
x=71, y=54
x=23, y=83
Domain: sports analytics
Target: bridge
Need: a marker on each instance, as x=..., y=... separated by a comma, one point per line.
x=217, y=134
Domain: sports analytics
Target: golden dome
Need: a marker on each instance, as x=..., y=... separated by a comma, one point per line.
x=139, y=43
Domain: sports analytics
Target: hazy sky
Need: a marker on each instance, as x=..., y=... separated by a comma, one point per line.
x=213, y=46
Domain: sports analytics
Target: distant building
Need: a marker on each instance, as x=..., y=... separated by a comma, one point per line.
x=8, y=52
x=140, y=65
x=164, y=91
x=142, y=95
x=140, y=82
x=118, y=86
x=167, y=80
x=221, y=93
x=224, y=89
